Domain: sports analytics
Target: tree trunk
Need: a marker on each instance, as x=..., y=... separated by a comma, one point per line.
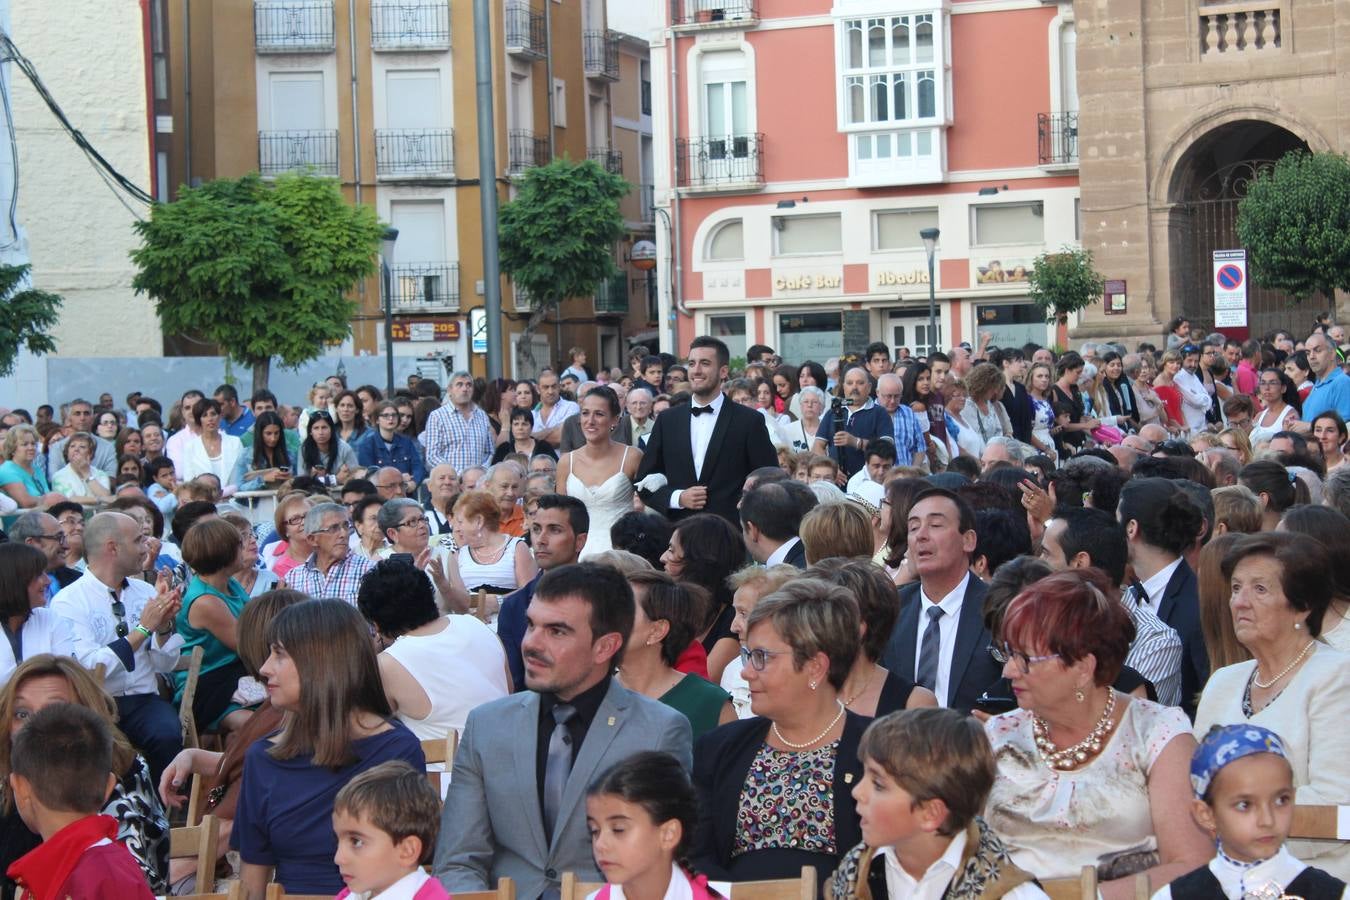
x=524, y=344
x=262, y=370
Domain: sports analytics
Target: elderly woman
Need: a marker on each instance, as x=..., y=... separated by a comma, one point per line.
x=78, y=480
x=254, y=580
x=749, y=586
x=871, y=689
x=434, y=667
x=983, y=413
x=775, y=791
x=1295, y=685
x=142, y=827
x=666, y=617
x=485, y=557
x=801, y=434
x=294, y=547
x=212, y=451
x=836, y=529
x=20, y=476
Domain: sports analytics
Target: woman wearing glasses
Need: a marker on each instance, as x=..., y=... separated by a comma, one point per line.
x=1280, y=402
x=1088, y=776
x=383, y=445
x=294, y=547
x=775, y=790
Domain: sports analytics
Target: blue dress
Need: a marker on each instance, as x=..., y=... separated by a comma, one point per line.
x=284, y=815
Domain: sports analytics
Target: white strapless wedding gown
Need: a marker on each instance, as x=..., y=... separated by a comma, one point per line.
x=605, y=502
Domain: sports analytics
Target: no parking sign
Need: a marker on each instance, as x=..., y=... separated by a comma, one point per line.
x=1230, y=288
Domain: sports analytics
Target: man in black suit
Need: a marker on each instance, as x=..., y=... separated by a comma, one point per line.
x=770, y=518
x=940, y=640
x=706, y=448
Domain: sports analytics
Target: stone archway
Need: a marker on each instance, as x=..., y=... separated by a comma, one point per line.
x=1207, y=183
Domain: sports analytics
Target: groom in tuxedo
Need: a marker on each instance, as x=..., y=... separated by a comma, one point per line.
x=706, y=448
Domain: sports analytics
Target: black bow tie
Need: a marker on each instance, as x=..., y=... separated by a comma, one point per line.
x=700, y=410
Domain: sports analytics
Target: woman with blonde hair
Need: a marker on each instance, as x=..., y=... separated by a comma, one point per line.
x=1216, y=620
x=486, y=558
x=1236, y=439
x=20, y=476
x=836, y=529
x=983, y=412
x=294, y=547
x=1039, y=379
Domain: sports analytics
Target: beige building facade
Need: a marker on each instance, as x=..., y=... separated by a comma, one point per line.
x=1181, y=103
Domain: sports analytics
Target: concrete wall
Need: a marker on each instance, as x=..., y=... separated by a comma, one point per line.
x=91, y=56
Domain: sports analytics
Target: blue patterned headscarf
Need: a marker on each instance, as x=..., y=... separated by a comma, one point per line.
x=1227, y=743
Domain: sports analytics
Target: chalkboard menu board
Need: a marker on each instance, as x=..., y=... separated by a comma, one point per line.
x=857, y=330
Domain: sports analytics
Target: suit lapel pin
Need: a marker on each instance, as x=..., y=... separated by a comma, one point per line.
x=611, y=721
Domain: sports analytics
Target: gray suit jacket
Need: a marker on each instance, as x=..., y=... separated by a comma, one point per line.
x=492, y=826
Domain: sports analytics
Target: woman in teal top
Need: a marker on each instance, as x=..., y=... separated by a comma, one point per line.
x=666, y=620
x=209, y=619
x=20, y=476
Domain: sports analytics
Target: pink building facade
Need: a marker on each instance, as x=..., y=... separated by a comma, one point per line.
x=805, y=144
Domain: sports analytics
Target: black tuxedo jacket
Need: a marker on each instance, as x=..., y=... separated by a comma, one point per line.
x=1179, y=607
x=739, y=445
x=973, y=669
x=796, y=556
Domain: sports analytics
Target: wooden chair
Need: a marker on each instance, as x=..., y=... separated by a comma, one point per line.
x=236, y=892
x=1084, y=887
x=196, y=802
x=440, y=752
x=801, y=888
x=506, y=890
x=200, y=841
x=191, y=740
x=575, y=889
x=1321, y=823
x=483, y=606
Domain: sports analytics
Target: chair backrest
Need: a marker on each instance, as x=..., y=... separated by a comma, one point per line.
x=506, y=890
x=200, y=841
x=575, y=889
x=185, y=716
x=1324, y=823
x=1142, y=889
x=1084, y=887
x=441, y=750
x=801, y=888
x=196, y=803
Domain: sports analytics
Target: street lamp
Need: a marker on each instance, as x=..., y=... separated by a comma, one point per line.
x=930, y=239
x=386, y=256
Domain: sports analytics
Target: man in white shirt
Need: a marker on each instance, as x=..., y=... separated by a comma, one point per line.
x=1195, y=400
x=553, y=409
x=770, y=518
x=126, y=625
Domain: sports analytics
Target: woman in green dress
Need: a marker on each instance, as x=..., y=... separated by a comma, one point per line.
x=667, y=618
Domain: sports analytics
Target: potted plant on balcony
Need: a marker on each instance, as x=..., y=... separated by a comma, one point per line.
x=1064, y=282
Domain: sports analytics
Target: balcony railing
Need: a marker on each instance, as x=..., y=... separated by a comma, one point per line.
x=414, y=151
x=425, y=287
x=609, y=160
x=290, y=151
x=1057, y=138
x=714, y=13
x=647, y=202
x=611, y=296
x=600, y=51
x=409, y=25
x=525, y=30
x=293, y=26
x=724, y=162
x=525, y=151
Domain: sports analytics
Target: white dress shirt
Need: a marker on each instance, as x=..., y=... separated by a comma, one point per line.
x=700, y=435
x=1156, y=586
x=405, y=888
x=44, y=632
x=947, y=626
x=556, y=416
x=900, y=885
x=780, y=555
x=1195, y=400
x=87, y=605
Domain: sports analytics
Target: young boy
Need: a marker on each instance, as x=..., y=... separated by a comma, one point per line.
x=1244, y=797
x=386, y=820
x=926, y=776
x=60, y=776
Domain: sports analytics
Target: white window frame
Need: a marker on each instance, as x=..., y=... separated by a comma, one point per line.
x=1028, y=204
x=695, y=98
x=713, y=232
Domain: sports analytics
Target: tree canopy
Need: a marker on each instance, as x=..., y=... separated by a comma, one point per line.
x=1295, y=224
x=261, y=269
x=1064, y=282
x=25, y=317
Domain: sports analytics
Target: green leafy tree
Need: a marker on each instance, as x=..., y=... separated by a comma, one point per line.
x=1064, y=282
x=1295, y=224
x=557, y=237
x=263, y=270
x=25, y=317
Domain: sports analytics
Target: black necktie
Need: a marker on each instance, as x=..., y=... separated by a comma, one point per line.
x=699, y=410
x=1140, y=595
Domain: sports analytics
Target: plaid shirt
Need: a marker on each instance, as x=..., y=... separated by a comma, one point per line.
x=462, y=444
x=341, y=583
x=908, y=435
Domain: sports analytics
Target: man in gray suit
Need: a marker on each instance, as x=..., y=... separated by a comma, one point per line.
x=517, y=803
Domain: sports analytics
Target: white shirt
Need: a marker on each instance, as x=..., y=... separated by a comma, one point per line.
x=405, y=888
x=679, y=888
x=44, y=632
x=1156, y=586
x=87, y=605
x=1237, y=883
x=947, y=625
x=1195, y=400
x=900, y=885
x=781, y=553
x=556, y=416
x=700, y=435
x=733, y=682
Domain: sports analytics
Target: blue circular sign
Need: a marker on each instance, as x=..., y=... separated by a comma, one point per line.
x=1229, y=277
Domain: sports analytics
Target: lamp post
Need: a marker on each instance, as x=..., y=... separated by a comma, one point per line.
x=930, y=239
x=386, y=256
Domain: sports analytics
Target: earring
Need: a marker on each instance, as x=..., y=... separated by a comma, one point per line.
x=813, y=685
x=1079, y=695
x=1298, y=626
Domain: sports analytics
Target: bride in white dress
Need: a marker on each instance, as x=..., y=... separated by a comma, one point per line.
x=600, y=474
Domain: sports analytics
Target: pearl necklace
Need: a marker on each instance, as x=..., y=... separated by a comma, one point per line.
x=1072, y=757
x=815, y=740
x=1283, y=672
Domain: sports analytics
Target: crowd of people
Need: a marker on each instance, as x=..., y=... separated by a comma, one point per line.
x=951, y=625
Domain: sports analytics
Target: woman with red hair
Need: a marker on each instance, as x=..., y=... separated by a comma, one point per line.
x=1087, y=775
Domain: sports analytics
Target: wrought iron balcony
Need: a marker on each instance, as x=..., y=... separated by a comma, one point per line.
x=1057, y=138
x=525, y=30
x=722, y=162
x=600, y=51
x=291, y=151
x=647, y=202
x=525, y=151
x=410, y=25
x=425, y=287
x=293, y=26
x=714, y=13
x=609, y=160
x=611, y=295
x=412, y=152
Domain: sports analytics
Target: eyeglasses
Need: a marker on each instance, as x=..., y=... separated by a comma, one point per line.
x=59, y=537
x=295, y=521
x=335, y=529
x=758, y=658
x=389, y=415
x=419, y=522
x=1002, y=654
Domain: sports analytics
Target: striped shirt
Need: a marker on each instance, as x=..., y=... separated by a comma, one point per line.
x=1157, y=650
x=908, y=431
x=463, y=443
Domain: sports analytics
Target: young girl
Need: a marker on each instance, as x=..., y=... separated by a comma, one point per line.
x=641, y=815
x=1244, y=788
